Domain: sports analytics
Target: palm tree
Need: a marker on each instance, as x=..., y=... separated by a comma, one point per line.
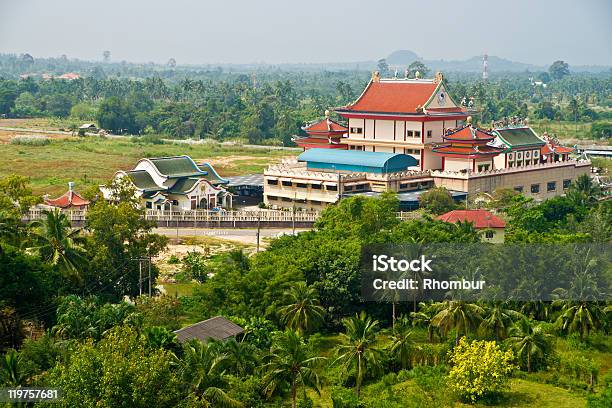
x=499, y=318
x=200, y=370
x=57, y=243
x=240, y=357
x=358, y=350
x=290, y=362
x=11, y=370
x=303, y=310
x=458, y=315
x=584, y=185
x=424, y=316
x=580, y=310
x=529, y=340
x=402, y=343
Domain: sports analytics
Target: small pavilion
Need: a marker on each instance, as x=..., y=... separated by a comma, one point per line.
x=70, y=200
x=324, y=134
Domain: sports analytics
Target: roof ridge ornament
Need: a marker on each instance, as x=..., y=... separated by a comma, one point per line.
x=376, y=76
x=438, y=78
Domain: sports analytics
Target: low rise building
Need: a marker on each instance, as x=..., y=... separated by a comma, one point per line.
x=175, y=183
x=490, y=226
x=70, y=200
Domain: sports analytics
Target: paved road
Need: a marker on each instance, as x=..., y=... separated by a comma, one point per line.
x=244, y=235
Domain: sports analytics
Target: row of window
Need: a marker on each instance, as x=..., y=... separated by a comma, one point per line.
x=522, y=163
x=409, y=133
x=526, y=154
x=288, y=200
x=287, y=183
x=550, y=186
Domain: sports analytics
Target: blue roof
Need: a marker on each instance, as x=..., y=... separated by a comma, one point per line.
x=358, y=158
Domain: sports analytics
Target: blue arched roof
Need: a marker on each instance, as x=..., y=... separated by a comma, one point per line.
x=356, y=160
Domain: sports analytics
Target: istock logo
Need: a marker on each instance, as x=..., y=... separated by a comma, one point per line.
x=385, y=263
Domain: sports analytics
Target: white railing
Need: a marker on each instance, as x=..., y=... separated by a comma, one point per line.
x=238, y=216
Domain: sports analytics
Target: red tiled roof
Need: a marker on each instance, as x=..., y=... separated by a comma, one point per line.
x=469, y=133
x=479, y=218
x=325, y=126
x=467, y=151
x=67, y=200
x=393, y=96
x=549, y=146
x=311, y=142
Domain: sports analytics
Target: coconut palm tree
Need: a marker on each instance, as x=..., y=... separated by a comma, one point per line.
x=200, y=368
x=302, y=310
x=57, y=243
x=424, y=316
x=459, y=315
x=402, y=343
x=499, y=318
x=529, y=340
x=358, y=350
x=290, y=362
x=241, y=358
x=580, y=310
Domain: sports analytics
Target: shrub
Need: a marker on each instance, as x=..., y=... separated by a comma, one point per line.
x=480, y=369
x=438, y=200
x=30, y=140
x=344, y=398
x=194, y=266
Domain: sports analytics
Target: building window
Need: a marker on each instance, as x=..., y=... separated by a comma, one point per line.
x=287, y=199
x=510, y=156
x=409, y=133
x=489, y=234
x=332, y=188
x=287, y=183
x=519, y=155
x=536, y=154
x=429, y=133
x=315, y=186
x=483, y=167
x=551, y=186
x=535, y=188
x=272, y=182
x=417, y=133
x=527, y=155
x=357, y=130
x=149, y=205
x=403, y=186
x=302, y=185
x=567, y=183
x=360, y=186
x=272, y=198
x=518, y=189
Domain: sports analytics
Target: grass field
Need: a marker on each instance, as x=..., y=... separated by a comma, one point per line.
x=568, y=132
x=92, y=160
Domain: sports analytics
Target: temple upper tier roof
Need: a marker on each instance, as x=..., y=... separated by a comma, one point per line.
x=403, y=96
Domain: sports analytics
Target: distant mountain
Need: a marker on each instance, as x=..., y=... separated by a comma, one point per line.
x=474, y=64
x=402, y=57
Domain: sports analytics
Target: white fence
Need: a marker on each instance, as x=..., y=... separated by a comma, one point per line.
x=213, y=217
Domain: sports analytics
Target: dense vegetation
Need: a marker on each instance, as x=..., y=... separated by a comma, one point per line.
x=309, y=338
x=270, y=106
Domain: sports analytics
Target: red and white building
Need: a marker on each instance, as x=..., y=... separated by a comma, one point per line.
x=325, y=134
x=402, y=116
x=491, y=226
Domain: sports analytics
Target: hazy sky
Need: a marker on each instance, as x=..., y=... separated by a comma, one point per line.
x=275, y=31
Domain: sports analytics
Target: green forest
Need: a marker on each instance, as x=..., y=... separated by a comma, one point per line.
x=269, y=105
x=310, y=340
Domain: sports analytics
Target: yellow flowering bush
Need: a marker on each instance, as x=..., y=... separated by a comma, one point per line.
x=479, y=368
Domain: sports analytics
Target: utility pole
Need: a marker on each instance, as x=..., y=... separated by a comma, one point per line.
x=149, y=276
x=258, y=228
x=139, y=277
x=293, y=215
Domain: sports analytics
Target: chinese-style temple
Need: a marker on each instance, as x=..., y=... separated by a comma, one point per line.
x=70, y=200
x=325, y=134
x=467, y=148
x=417, y=117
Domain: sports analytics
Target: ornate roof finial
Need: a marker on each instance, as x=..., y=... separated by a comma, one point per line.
x=469, y=120
x=376, y=76
x=438, y=78
x=326, y=113
x=406, y=73
x=417, y=75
